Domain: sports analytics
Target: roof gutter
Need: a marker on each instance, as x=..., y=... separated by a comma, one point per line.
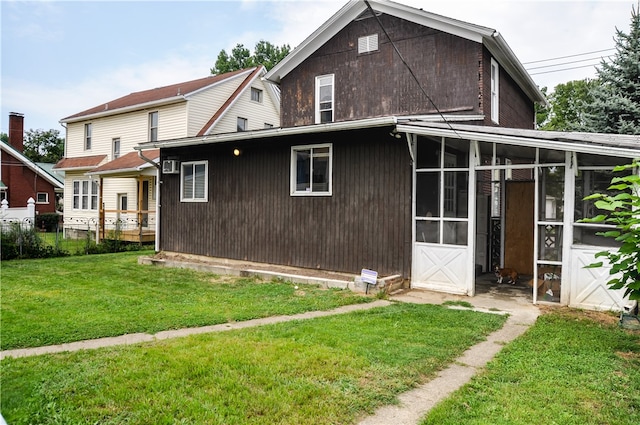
x=275, y=132
x=136, y=107
x=505, y=55
x=519, y=141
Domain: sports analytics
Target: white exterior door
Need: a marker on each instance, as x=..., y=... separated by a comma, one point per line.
x=444, y=187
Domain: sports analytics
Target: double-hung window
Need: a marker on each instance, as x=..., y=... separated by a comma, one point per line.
x=116, y=148
x=311, y=168
x=242, y=124
x=495, y=91
x=325, y=102
x=87, y=136
x=153, y=126
x=256, y=95
x=193, y=181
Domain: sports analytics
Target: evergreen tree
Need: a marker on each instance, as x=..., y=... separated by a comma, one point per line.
x=616, y=99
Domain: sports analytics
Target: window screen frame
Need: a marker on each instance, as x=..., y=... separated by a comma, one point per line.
x=294, y=169
x=191, y=197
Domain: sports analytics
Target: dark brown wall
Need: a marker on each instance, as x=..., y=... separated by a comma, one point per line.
x=378, y=84
x=250, y=214
x=516, y=110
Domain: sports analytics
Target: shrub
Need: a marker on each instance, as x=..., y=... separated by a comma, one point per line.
x=622, y=210
x=47, y=222
x=19, y=242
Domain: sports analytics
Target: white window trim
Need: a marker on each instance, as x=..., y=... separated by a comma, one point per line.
x=495, y=91
x=115, y=154
x=46, y=195
x=260, y=94
x=152, y=127
x=293, y=170
x=88, y=130
x=245, y=123
x=90, y=195
x=206, y=181
x=333, y=97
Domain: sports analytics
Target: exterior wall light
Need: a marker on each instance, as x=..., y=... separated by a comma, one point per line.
x=237, y=152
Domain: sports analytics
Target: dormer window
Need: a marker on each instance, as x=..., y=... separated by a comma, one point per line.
x=368, y=43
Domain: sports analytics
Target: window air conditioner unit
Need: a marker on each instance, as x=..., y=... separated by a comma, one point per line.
x=170, y=166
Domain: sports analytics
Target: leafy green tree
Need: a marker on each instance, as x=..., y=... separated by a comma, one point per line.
x=265, y=54
x=623, y=211
x=616, y=99
x=567, y=106
x=43, y=146
x=4, y=137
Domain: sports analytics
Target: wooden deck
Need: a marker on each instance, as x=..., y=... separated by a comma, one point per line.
x=147, y=236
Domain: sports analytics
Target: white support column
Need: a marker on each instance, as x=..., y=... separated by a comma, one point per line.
x=474, y=160
x=570, y=173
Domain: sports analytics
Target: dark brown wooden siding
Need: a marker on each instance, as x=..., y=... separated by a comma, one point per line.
x=250, y=214
x=378, y=84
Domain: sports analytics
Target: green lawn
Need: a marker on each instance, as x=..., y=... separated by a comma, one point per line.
x=567, y=369
x=67, y=299
x=329, y=370
x=72, y=246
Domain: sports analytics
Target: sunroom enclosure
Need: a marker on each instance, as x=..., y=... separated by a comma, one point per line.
x=482, y=204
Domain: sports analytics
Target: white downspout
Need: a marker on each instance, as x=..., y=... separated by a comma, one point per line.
x=157, y=189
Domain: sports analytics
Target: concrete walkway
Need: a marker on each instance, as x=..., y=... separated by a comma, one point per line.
x=413, y=404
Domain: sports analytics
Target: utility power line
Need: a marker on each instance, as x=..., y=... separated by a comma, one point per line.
x=568, y=56
x=570, y=62
x=563, y=69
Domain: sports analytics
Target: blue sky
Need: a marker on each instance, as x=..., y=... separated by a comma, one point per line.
x=61, y=57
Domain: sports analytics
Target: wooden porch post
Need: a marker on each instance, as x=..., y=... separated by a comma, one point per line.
x=139, y=212
x=100, y=212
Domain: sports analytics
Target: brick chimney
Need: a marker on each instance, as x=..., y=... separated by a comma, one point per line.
x=16, y=131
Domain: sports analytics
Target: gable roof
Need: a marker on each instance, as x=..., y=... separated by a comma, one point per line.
x=158, y=96
x=493, y=41
x=259, y=71
x=32, y=165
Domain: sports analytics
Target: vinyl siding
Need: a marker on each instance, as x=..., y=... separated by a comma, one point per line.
x=203, y=105
x=132, y=128
x=257, y=114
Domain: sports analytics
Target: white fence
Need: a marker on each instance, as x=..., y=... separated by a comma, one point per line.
x=26, y=216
